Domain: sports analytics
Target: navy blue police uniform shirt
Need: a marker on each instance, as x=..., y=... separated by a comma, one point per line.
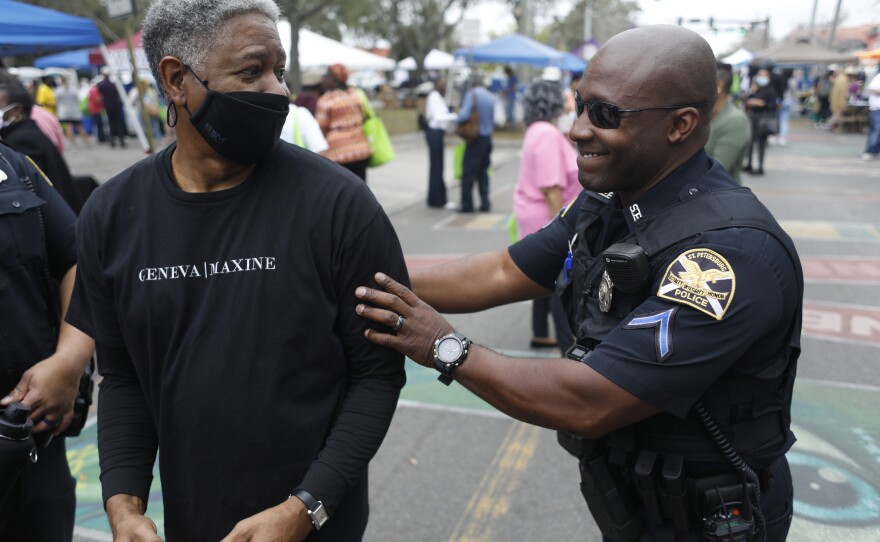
x=672, y=347
x=236, y=308
x=28, y=329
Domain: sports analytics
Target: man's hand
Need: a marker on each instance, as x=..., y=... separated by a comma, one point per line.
x=287, y=522
x=128, y=522
x=49, y=388
x=421, y=326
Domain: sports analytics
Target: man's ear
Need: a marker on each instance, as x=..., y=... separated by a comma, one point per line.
x=683, y=125
x=171, y=70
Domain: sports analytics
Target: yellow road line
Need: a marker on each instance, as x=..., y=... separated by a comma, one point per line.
x=485, y=221
x=491, y=501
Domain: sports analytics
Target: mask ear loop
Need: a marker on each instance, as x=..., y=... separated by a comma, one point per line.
x=199, y=79
x=204, y=83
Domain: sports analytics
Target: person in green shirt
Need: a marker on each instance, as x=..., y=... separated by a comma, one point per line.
x=730, y=132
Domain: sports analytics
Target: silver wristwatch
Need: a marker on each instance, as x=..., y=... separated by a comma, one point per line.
x=317, y=512
x=450, y=351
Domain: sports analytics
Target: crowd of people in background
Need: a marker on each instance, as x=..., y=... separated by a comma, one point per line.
x=833, y=97
x=76, y=112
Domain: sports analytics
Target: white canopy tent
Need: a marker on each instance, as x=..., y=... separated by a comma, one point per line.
x=435, y=60
x=317, y=51
x=738, y=57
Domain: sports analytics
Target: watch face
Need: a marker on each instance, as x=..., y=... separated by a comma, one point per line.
x=449, y=350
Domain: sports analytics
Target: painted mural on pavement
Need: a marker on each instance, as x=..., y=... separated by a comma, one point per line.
x=835, y=463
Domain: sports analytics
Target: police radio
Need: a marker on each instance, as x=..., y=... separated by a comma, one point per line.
x=627, y=266
x=731, y=516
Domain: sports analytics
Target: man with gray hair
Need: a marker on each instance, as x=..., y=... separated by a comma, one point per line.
x=218, y=280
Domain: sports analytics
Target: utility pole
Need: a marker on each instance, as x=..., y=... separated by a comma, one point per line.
x=767, y=32
x=813, y=20
x=588, y=20
x=834, y=25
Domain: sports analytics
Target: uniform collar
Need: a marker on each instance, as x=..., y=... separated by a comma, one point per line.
x=689, y=180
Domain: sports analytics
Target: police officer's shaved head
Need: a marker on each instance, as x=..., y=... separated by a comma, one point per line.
x=648, y=94
x=664, y=64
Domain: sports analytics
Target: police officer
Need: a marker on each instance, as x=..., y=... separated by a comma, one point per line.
x=684, y=296
x=41, y=358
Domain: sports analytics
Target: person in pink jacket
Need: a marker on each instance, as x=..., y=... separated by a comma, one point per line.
x=547, y=182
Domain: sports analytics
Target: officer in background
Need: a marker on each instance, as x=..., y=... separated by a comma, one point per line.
x=41, y=357
x=684, y=295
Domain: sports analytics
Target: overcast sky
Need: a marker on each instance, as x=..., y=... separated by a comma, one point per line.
x=784, y=14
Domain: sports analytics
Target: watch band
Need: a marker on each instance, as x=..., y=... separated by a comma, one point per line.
x=317, y=512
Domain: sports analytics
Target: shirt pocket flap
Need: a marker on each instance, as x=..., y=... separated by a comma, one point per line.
x=17, y=201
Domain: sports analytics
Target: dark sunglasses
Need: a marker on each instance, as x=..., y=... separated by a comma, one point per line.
x=605, y=115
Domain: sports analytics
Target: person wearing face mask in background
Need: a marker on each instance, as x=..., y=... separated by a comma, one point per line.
x=20, y=132
x=760, y=105
x=217, y=278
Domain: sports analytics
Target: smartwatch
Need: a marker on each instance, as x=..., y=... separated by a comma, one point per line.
x=450, y=351
x=317, y=512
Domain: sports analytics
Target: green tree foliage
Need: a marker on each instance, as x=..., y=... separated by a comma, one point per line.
x=610, y=17
x=299, y=13
x=413, y=27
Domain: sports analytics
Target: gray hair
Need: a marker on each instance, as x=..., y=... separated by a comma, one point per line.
x=187, y=29
x=542, y=102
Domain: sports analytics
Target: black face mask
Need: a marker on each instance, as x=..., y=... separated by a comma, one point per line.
x=242, y=127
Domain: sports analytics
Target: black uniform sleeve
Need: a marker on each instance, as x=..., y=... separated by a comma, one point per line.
x=376, y=374
x=541, y=255
x=59, y=223
x=668, y=352
x=127, y=439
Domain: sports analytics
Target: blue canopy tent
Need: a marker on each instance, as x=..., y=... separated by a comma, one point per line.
x=27, y=29
x=78, y=60
x=519, y=49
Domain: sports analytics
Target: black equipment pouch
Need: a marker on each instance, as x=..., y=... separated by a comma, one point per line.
x=82, y=402
x=609, y=495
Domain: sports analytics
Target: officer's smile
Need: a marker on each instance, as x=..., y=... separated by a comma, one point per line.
x=587, y=160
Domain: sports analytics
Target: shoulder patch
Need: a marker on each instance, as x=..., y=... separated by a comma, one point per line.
x=702, y=279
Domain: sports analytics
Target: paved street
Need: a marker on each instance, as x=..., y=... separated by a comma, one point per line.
x=454, y=469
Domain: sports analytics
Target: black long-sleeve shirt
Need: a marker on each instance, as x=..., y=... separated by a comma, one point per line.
x=229, y=340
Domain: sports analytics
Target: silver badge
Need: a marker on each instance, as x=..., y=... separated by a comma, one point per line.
x=606, y=289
